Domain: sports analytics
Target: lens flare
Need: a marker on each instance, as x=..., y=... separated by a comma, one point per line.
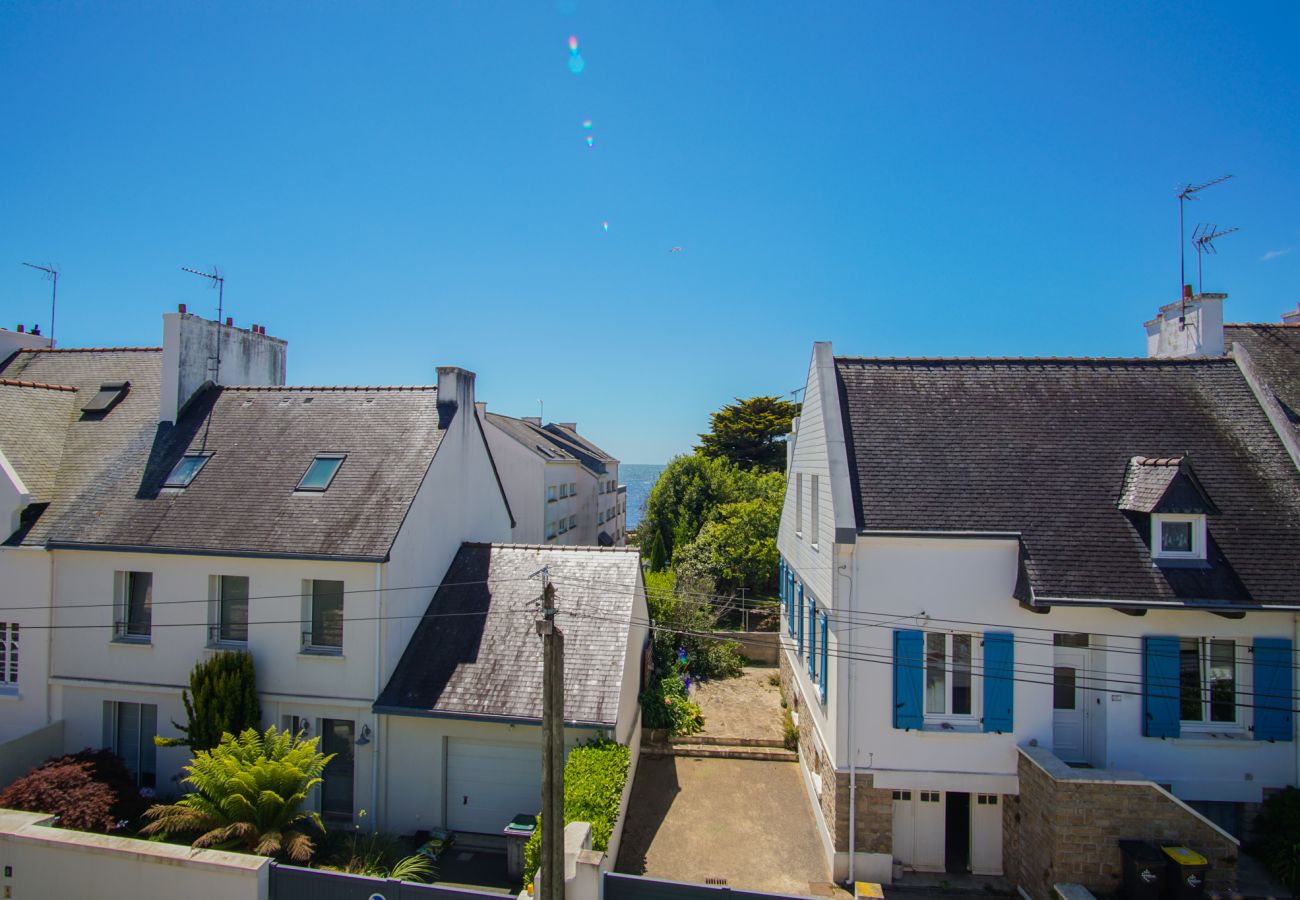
x=573, y=43
x=576, y=64
x=605, y=225
x=586, y=123
x=591, y=141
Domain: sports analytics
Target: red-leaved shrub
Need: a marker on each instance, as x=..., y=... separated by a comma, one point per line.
x=88, y=791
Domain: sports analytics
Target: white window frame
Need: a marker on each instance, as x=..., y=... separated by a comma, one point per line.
x=215, y=623
x=961, y=720
x=1240, y=688
x=1159, y=520
x=309, y=645
x=145, y=748
x=9, y=659
x=550, y=530
x=798, y=504
x=122, y=583
x=813, y=508
x=550, y=493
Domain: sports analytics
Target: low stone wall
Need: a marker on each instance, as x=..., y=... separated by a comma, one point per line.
x=1067, y=823
x=759, y=647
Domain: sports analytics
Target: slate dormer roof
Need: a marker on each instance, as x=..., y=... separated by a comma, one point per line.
x=102, y=473
x=1041, y=448
x=1163, y=484
x=476, y=653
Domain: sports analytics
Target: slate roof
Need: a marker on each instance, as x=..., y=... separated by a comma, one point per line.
x=34, y=421
x=1275, y=350
x=108, y=490
x=1040, y=447
x=535, y=438
x=477, y=653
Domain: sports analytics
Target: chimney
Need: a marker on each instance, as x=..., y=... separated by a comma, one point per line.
x=532, y=420
x=456, y=386
x=572, y=426
x=1192, y=326
x=12, y=341
x=191, y=345
x=1292, y=317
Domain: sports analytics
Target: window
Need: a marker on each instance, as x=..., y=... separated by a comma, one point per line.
x=109, y=394
x=1063, y=683
x=564, y=491
x=798, y=504
x=600, y=488
x=903, y=795
x=573, y=488
x=550, y=530
x=321, y=471
x=296, y=725
x=573, y=522
x=1070, y=640
x=550, y=494
x=231, y=608
x=813, y=508
x=1207, y=680
x=600, y=517
x=948, y=659
x=986, y=799
x=564, y=526
x=929, y=796
x=134, y=602
x=129, y=730
x=326, y=600
x=1178, y=537
x=189, y=466
x=8, y=656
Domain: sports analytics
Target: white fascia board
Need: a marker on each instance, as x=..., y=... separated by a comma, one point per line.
x=837, y=454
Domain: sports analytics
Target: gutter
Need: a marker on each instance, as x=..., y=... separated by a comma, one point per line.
x=204, y=551
x=481, y=717
x=1191, y=605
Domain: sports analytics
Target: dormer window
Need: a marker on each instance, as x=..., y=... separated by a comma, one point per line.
x=110, y=392
x=321, y=471
x=189, y=466
x=1177, y=536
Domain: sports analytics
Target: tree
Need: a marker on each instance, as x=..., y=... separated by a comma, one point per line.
x=685, y=494
x=248, y=795
x=750, y=434
x=222, y=699
x=88, y=791
x=736, y=548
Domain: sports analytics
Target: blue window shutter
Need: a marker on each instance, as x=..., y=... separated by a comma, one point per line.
x=823, y=664
x=1160, y=712
x=812, y=638
x=789, y=602
x=1274, y=695
x=999, y=681
x=799, y=619
x=909, y=663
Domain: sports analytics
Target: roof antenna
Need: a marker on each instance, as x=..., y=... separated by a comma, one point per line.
x=53, y=275
x=1203, y=237
x=219, y=283
x=541, y=411
x=1188, y=192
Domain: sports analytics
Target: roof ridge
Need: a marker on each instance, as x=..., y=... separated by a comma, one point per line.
x=90, y=349
x=506, y=545
x=18, y=382
x=1040, y=360
x=272, y=388
x=1261, y=324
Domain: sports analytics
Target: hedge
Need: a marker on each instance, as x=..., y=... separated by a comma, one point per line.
x=594, y=778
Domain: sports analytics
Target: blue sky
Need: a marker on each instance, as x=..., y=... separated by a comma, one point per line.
x=391, y=187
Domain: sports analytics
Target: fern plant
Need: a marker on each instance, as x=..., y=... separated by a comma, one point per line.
x=248, y=794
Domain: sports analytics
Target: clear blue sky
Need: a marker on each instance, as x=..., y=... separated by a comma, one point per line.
x=391, y=187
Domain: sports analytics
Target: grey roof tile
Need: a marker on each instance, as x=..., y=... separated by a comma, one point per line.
x=477, y=653
x=1275, y=350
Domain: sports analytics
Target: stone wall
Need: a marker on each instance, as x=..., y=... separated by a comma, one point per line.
x=1066, y=824
x=875, y=810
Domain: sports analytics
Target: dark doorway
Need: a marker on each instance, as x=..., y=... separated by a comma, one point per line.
x=956, y=852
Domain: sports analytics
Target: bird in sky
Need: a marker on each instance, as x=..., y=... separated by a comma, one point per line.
x=675, y=250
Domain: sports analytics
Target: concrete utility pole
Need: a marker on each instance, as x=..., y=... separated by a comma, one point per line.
x=552, y=886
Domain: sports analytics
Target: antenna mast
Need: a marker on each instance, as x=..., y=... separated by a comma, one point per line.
x=219, y=283
x=53, y=275
x=1203, y=238
x=1188, y=192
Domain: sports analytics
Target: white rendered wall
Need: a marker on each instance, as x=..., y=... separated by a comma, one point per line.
x=190, y=347
x=637, y=636
x=523, y=476
x=25, y=582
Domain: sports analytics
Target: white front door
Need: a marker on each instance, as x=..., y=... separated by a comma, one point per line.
x=1069, y=706
x=930, y=830
x=488, y=784
x=986, y=834
x=904, y=827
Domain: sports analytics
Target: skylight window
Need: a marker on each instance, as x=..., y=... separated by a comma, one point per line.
x=321, y=471
x=109, y=394
x=189, y=466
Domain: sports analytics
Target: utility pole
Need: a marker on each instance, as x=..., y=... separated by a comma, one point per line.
x=552, y=886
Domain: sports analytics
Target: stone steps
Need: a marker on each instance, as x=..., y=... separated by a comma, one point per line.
x=717, y=741
x=721, y=751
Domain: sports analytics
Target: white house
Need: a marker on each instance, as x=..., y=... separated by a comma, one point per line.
x=563, y=489
x=993, y=568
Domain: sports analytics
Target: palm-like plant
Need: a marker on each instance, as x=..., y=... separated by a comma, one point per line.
x=248, y=795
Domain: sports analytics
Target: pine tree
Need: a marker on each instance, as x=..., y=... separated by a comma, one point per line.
x=222, y=699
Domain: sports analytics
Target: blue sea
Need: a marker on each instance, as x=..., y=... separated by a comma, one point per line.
x=639, y=478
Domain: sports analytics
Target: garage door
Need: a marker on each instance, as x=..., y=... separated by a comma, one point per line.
x=489, y=784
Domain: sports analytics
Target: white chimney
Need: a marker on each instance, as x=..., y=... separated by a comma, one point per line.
x=197, y=351
x=12, y=341
x=1292, y=317
x=456, y=386
x=1192, y=326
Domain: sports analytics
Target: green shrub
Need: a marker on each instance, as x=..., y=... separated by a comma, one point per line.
x=682, y=622
x=1279, y=827
x=664, y=704
x=88, y=791
x=594, y=778
x=791, y=736
x=222, y=699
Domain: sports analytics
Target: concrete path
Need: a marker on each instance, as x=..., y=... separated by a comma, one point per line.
x=746, y=821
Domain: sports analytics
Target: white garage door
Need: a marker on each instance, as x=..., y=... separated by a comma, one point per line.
x=489, y=784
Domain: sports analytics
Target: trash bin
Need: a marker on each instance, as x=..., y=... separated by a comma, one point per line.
x=1185, y=878
x=517, y=833
x=1144, y=870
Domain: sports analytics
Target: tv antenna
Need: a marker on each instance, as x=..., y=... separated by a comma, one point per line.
x=1203, y=238
x=53, y=275
x=1188, y=192
x=218, y=282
